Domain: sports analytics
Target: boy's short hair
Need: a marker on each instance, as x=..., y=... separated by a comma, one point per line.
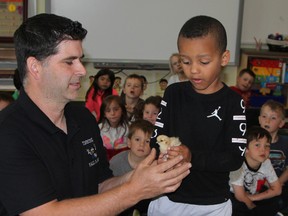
x=275, y=106
x=202, y=26
x=248, y=71
x=135, y=76
x=163, y=80
x=255, y=133
x=140, y=124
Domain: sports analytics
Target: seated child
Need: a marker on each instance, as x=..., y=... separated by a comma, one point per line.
x=140, y=132
x=255, y=186
x=244, y=82
x=272, y=118
x=113, y=124
x=163, y=83
x=149, y=109
x=101, y=87
x=132, y=90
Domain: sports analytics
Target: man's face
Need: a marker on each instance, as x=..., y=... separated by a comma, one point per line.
x=60, y=74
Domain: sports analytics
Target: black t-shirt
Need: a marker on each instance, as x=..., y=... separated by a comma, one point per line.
x=212, y=127
x=40, y=163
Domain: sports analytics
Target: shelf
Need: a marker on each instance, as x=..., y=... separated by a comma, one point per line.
x=264, y=53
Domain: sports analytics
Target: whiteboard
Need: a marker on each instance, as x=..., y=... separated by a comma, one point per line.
x=145, y=31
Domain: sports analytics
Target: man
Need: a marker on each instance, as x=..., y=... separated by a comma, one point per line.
x=52, y=160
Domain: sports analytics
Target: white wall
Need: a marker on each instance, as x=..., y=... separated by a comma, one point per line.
x=260, y=18
x=263, y=17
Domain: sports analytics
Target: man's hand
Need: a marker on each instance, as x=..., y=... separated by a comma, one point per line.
x=151, y=179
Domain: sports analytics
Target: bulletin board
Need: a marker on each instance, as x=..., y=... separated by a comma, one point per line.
x=12, y=14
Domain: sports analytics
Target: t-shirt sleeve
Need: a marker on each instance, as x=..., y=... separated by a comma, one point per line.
x=270, y=172
x=236, y=177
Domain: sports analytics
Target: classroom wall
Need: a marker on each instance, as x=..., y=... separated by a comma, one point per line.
x=260, y=18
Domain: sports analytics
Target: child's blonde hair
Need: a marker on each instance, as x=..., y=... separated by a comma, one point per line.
x=276, y=107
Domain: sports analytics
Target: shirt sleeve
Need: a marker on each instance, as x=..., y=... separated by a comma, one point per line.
x=271, y=174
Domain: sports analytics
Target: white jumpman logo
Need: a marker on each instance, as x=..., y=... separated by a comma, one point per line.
x=215, y=113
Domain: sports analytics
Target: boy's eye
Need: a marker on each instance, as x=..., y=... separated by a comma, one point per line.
x=185, y=61
x=205, y=62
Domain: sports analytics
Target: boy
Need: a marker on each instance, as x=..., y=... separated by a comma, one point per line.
x=255, y=185
x=245, y=80
x=62, y=163
x=139, y=135
x=208, y=118
x=132, y=90
x=163, y=83
x=272, y=118
x=140, y=132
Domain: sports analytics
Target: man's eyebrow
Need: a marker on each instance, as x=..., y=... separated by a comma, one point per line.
x=74, y=57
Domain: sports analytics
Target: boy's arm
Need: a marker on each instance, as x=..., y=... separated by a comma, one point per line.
x=283, y=177
x=275, y=189
x=241, y=195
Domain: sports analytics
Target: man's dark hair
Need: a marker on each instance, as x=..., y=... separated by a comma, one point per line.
x=40, y=35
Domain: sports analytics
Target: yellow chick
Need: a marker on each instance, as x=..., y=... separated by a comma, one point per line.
x=165, y=142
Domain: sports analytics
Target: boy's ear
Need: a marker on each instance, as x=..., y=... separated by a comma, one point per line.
x=225, y=58
x=129, y=143
x=282, y=123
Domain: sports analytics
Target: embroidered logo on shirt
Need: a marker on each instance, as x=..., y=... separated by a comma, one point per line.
x=215, y=114
x=91, y=150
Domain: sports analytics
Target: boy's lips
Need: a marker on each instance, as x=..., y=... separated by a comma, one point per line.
x=197, y=80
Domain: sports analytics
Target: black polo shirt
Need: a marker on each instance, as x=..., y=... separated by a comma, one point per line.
x=39, y=162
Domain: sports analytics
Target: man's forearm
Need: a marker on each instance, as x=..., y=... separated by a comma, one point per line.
x=114, y=182
x=111, y=202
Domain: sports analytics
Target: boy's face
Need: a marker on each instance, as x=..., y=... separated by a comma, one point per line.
x=150, y=113
x=271, y=120
x=244, y=82
x=133, y=88
x=176, y=64
x=163, y=85
x=202, y=63
x=258, y=151
x=140, y=144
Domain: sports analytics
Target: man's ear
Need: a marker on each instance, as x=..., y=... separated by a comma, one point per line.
x=33, y=67
x=225, y=58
